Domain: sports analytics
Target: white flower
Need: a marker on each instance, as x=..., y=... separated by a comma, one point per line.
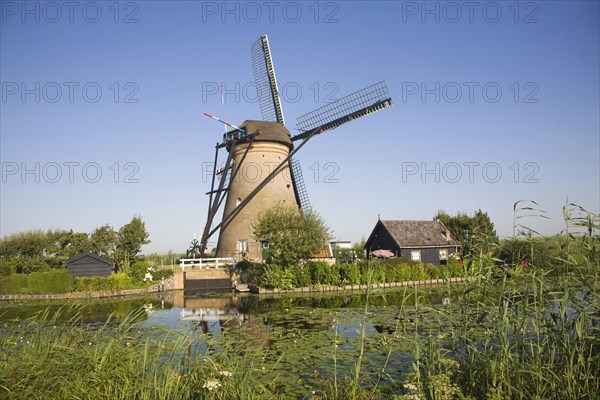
x=225, y=373
x=411, y=387
x=211, y=385
x=148, y=276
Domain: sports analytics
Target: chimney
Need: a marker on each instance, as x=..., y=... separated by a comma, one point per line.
x=448, y=236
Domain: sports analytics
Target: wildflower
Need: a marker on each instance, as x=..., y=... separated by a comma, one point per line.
x=225, y=373
x=148, y=276
x=211, y=385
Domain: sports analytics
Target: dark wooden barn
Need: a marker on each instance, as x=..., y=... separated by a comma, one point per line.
x=425, y=241
x=89, y=264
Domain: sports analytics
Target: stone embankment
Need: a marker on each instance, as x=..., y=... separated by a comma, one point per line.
x=319, y=289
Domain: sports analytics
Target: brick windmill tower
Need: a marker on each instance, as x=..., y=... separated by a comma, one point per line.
x=260, y=171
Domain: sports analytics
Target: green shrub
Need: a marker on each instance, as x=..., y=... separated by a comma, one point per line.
x=350, y=274
x=250, y=272
x=334, y=275
x=13, y=284
x=319, y=272
x=399, y=261
x=27, y=265
x=391, y=274
x=58, y=281
x=303, y=277
x=164, y=273
x=120, y=281
x=379, y=274
x=139, y=270
x=7, y=268
x=418, y=273
x=276, y=277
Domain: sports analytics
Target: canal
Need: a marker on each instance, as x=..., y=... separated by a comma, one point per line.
x=298, y=340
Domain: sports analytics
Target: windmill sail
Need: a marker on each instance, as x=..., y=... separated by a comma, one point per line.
x=356, y=105
x=299, y=187
x=266, y=83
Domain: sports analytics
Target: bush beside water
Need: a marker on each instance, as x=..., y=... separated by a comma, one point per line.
x=320, y=273
x=58, y=281
x=61, y=281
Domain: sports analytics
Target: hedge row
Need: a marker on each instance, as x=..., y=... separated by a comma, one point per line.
x=321, y=273
x=58, y=281
x=61, y=281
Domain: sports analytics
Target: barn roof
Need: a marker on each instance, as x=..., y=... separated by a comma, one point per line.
x=417, y=233
x=325, y=252
x=95, y=256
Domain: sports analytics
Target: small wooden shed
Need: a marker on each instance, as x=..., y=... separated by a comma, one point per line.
x=89, y=264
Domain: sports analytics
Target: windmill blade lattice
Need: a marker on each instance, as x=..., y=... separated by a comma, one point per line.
x=299, y=187
x=356, y=105
x=266, y=82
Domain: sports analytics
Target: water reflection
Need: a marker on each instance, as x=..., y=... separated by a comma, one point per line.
x=215, y=312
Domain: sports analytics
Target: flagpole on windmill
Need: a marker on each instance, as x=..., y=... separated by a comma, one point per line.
x=226, y=123
x=223, y=105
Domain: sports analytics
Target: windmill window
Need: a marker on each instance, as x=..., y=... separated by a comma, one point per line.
x=242, y=246
x=238, y=201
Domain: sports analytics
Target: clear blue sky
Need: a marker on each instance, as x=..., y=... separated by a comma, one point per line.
x=157, y=67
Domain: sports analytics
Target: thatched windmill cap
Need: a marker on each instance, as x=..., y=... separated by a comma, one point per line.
x=270, y=132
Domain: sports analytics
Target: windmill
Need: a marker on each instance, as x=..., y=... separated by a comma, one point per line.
x=259, y=171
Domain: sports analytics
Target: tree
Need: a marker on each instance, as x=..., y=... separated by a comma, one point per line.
x=63, y=245
x=293, y=235
x=104, y=240
x=25, y=244
x=130, y=239
x=483, y=236
x=476, y=234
